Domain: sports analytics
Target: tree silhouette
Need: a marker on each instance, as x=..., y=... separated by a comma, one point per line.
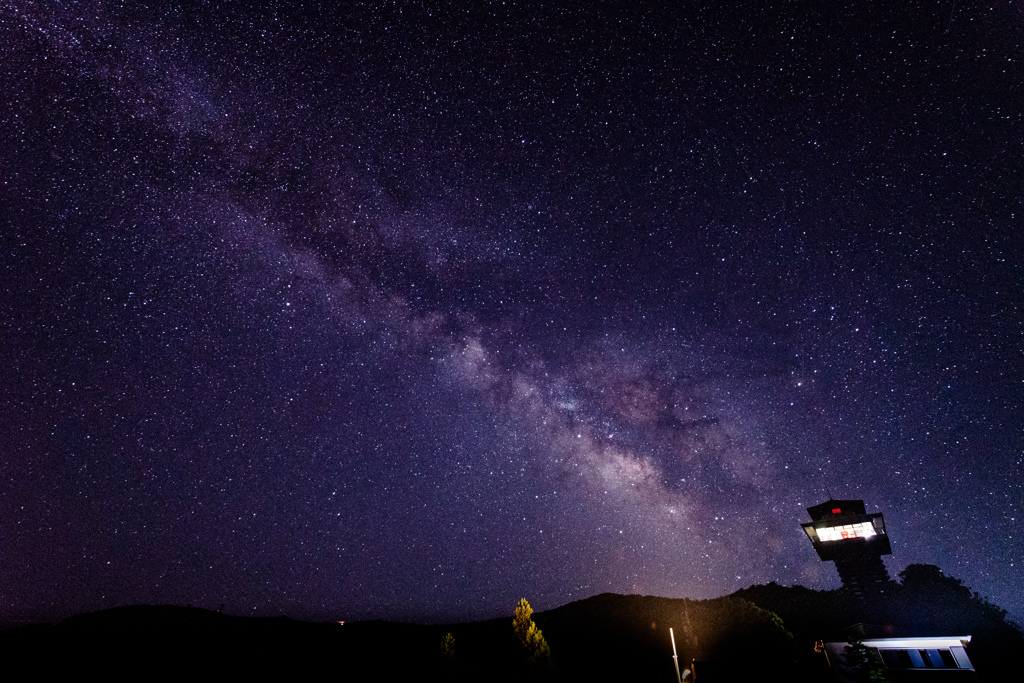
x=449, y=664
x=448, y=648
x=538, y=654
x=864, y=668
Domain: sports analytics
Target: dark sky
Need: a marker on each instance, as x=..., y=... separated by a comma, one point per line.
x=402, y=312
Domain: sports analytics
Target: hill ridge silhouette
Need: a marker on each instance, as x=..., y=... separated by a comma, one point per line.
x=603, y=637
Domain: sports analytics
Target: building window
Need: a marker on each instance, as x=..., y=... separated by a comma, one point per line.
x=919, y=659
x=896, y=659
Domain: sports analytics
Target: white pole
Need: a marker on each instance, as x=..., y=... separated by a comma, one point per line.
x=675, y=655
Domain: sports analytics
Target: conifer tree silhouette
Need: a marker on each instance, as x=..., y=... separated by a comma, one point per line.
x=538, y=654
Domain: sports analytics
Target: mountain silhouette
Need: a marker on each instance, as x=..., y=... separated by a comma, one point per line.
x=764, y=632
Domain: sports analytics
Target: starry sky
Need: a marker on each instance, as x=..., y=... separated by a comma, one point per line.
x=405, y=311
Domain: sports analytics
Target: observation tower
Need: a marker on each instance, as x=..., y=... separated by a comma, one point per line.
x=842, y=532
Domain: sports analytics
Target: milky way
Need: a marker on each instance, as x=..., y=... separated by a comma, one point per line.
x=403, y=312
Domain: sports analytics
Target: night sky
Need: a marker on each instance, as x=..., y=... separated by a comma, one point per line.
x=406, y=312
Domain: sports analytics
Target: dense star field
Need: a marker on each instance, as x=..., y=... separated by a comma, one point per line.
x=393, y=311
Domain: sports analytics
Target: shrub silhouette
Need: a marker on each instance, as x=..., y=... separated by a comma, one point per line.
x=864, y=668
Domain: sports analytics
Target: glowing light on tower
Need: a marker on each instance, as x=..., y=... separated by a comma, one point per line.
x=842, y=532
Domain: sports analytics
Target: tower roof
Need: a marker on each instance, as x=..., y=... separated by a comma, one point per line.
x=834, y=507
